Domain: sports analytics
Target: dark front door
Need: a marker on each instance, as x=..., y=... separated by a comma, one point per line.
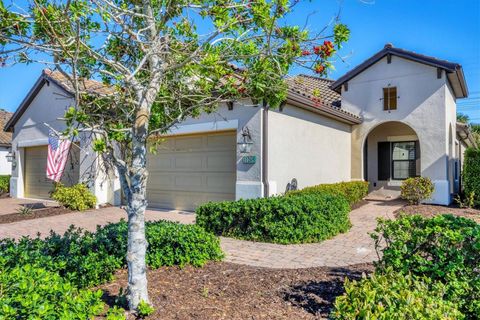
x=384, y=161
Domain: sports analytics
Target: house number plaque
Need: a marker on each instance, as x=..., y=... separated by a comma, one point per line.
x=249, y=159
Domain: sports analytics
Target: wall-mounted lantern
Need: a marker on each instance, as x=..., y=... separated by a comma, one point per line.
x=245, y=145
x=11, y=157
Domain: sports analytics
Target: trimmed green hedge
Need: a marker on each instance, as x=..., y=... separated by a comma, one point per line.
x=394, y=296
x=353, y=191
x=87, y=259
x=299, y=219
x=4, y=184
x=428, y=270
x=444, y=248
x=471, y=174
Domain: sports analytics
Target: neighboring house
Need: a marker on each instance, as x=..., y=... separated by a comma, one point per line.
x=5, y=144
x=390, y=118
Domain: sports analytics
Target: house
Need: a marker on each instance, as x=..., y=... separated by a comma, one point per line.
x=390, y=118
x=5, y=145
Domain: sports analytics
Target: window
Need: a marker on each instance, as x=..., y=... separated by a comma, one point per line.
x=403, y=160
x=390, y=98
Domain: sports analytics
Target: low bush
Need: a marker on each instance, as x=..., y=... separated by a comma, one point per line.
x=77, y=197
x=29, y=292
x=294, y=219
x=471, y=174
x=417, y=189
x=4, y=184
x=353, y=191
x=443, y=248
x=87, y=259
x=394, y=296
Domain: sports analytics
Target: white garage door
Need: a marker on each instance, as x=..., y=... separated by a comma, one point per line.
x=37, y=186
x=192, y=169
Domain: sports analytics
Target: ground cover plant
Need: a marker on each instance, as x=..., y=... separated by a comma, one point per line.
x=65, y=266
x=299, y=219
x=440, y=257
x=353, y=191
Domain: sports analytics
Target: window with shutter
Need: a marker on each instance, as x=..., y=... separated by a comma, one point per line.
x=390, y=98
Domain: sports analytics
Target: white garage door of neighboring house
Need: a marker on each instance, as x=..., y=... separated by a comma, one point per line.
x=37, y=185
x=190, y=170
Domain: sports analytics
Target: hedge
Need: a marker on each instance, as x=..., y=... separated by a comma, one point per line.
x=471, y=174
x=87, y=259
x=300, y=219
x=4, y=184
x=394, y=296
x=444, y=248
x=353, y=191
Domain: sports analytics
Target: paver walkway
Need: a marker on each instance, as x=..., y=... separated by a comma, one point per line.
x=87, y=220
x=353, y=247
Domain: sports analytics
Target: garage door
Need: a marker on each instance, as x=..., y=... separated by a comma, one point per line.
x=191, y=170
x=37, y=185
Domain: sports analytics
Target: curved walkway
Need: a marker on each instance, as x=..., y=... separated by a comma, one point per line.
x=355, y=246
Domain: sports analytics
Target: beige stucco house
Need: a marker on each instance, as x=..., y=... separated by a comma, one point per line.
x=390, y=118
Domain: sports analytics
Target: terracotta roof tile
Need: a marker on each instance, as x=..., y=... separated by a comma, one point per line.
x=5, y=137
x=90, y=86
x=319, y=92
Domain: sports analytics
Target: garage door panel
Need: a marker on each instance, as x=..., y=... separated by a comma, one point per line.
x=196, y=170
x=36, y=183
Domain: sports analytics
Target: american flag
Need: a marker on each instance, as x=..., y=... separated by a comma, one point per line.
x=57, y=156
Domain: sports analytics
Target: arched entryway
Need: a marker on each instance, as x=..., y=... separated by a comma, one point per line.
x=391, y=154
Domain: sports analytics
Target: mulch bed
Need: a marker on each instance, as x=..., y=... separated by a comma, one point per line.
x=36, y=213
x=427, y=210
x=230, y=291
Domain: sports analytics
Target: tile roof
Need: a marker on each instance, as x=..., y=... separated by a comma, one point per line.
x=89, y=86
x=5, y=137
x=318, y=94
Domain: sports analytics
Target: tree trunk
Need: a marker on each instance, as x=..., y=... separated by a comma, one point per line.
x=137, y=244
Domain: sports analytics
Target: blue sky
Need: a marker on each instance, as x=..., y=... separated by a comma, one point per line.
x=446, y=29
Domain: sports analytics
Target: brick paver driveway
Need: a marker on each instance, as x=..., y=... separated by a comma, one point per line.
x=87, y=220
x=349, y=248
x=353, y=247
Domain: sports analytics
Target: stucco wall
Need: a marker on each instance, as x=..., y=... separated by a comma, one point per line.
x=306, y=146
x=5, y=166
x=30, y=130
x=421, y=105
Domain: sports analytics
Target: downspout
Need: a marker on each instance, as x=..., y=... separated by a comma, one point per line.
x=266, y=192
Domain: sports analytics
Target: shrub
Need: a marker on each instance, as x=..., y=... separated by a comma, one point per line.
x=4, y=184
x=76, y=197
x=417, y=189
x=471, y=174
x=394, y=296
x=353, y=191
x=30, y=292
x=298, y=219
x=443, y=248
x=144, y=309
x=87, y=259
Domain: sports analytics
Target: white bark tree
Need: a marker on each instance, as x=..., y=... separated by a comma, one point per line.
x=162, y=61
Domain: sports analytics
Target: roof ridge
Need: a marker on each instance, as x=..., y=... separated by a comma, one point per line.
x=313, y=77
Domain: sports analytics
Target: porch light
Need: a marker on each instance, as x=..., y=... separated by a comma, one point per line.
x=10, y=156
x=245, y=145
